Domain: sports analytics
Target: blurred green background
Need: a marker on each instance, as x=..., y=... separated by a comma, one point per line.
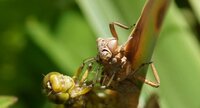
x=37, y=37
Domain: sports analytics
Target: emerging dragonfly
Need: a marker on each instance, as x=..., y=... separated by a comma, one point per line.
x=122, y=65
x=63, y=89
x=80, y=91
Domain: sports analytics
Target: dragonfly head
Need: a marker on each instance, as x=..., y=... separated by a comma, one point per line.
x=58, y=86
x=106, y=48
x=57, y=82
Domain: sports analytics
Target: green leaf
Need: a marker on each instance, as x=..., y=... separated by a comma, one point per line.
x=6, y=101
x=195, y=6
x=177, y=60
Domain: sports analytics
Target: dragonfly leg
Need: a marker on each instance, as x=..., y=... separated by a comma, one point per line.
x=151, y=83
x=89, y=60
x=110, y=80
x=112, y=28
x=79, y=70
x=85, y=75
x=82, y=89
x=98, y=76
x=103, y=79
x=114, y=33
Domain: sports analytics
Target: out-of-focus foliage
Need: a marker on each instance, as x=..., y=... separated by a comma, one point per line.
x=25, y=59
x=37, y=37
x=6, y=101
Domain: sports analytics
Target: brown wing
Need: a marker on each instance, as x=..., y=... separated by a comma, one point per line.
x=142, y=39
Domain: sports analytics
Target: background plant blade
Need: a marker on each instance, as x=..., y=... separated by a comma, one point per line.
x=7, y=101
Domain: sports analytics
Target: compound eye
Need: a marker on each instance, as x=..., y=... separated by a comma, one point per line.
x=57, y=82
x=112, y=45
x=46, y=80
x=57, y=87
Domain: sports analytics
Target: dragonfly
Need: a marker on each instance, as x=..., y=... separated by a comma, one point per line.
x=63, y=89
x=123, y=69
x=79, y=91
